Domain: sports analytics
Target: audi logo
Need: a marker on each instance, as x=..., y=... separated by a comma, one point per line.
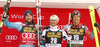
x=28, y=35
x=11, y=37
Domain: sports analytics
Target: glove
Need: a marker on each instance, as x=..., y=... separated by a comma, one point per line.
x=69, y=37
x=4, y=8
x=5, y=15
x=37, y=26
x=68, y=29
x=96, y=25
x=47, y=27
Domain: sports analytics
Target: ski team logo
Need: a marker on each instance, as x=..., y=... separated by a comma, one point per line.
x=11, y=37
x=28, y=35
x=28, y=13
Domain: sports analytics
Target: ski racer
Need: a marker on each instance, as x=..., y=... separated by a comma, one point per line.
x=53, y=34
x=77, y=30
x=27, y=30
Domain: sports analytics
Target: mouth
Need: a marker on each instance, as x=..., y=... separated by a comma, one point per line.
x=76, y=19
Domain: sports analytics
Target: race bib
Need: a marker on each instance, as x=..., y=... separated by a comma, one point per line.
x=52, y=45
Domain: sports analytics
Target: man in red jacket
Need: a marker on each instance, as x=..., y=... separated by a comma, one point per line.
x=77, y=30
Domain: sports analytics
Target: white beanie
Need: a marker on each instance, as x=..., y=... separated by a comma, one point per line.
x=54, y=17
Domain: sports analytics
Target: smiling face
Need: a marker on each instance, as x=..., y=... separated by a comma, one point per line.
x=53, y=22
x=76, y=19
x=28, y=18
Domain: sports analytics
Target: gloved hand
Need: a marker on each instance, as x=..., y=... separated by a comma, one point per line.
x=96, y=25
x=4, y=8
x=5, y=14
x=68, y=29
x=37, y=26
x=47, y=27
x=69, y=37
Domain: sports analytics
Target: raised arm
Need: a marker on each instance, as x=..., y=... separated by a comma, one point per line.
x=16, y=25
x=88, y=33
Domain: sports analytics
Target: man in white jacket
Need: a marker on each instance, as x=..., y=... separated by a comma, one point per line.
x=53, y=34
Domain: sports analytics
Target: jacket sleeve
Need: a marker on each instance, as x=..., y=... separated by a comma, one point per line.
x=88, y=33
x=16, y=25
